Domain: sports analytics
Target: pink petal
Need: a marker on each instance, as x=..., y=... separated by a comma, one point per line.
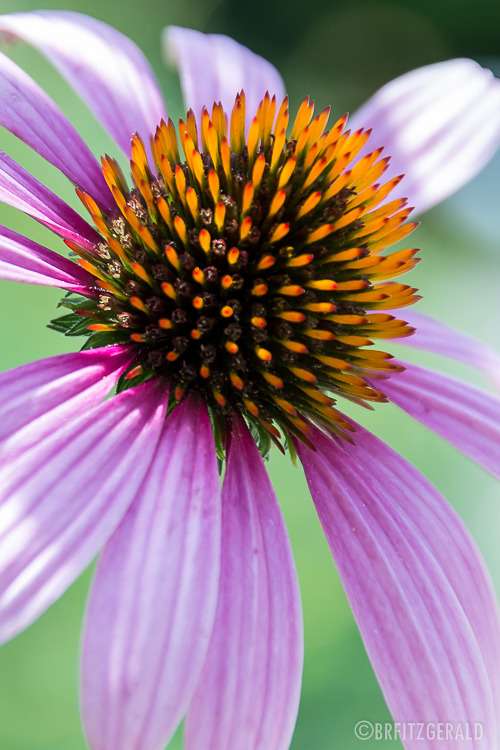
x=248, y=694
x=440, y=338
x=32, y=116
x=440, y=124
x=106, y=69
x=416, y=583
x=63, y=497
x=153, y=600
x=38, y=397
x=214, y=68
x=465, y=416
x=20, y=190
x=26, y=261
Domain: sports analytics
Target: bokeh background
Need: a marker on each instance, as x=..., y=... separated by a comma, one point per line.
x=338, y=53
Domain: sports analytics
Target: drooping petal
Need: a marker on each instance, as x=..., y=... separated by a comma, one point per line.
x=38, y=397
x=106, y=69
x=26, y=261
x=30, y=114
x=20, y=190
x=440, y=124
x=248, y=694
x=416, y=583
x=63, y=497
x=153, y=599
x=465, y=416
x=214, y=68
x=440, y=338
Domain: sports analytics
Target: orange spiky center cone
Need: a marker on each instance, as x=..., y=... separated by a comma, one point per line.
x=248, y=268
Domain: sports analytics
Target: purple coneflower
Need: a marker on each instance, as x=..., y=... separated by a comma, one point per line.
x=230, y=290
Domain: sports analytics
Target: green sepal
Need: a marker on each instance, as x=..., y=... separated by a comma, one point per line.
x=98, y=339
x=74, y=301
x=70, y=325
x=291, y=448
x=219, y=448
x=123, y=383
x=261, y=437
x=218, y=429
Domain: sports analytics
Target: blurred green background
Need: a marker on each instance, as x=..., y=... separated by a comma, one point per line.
x=338, y=53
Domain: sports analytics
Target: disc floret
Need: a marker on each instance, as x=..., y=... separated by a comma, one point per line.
x=248, y=268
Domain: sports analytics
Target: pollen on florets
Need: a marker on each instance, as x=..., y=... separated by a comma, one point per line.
x=248, y=267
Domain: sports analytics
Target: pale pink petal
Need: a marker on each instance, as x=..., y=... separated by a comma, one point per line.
x=440, y=124
x=440, y=338
x=39, y=397
x=106, y=69
x=248, y=694
x=30, y=114
x=214, y=68
x=465, y=416
x=20, y=190
x=153, y=599
x=63, y=497
x=416, y=583
x=26, y=261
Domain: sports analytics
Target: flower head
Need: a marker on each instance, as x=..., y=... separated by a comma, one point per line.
x=231, y=289
x=247, y=268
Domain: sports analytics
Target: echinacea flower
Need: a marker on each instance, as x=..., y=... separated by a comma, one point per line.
x=230, y=290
